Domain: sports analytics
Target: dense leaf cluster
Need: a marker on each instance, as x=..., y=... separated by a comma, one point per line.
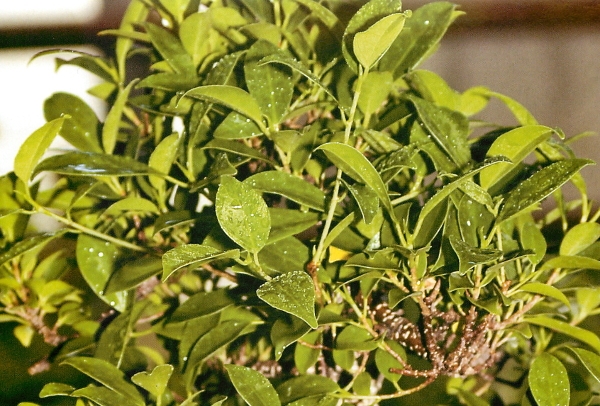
x=283, y=209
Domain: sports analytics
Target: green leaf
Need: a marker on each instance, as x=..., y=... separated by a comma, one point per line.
x=469, y=256
x=271, y=86
x=448, y=128
x=535, y=188
x=385, y=361
x=219, y=336
x=293, y=293
x=356, y=339
x=196, y=35
x=97, y=262
x=162, y=158
x=375, y=91
x=305, y=386
x=133, y=273
x=254, y=388
x=546, y=290
x=237, y=148
x=27, y=244
x=136, y=12
x=156, y=381
x=171, y=49
x=571, y=262
x=232, y=97
x=193, y=255
x=306, y=356
x=372, y=44
x=515, y=145
x=286, y=223
x=56, y=389
x=366, y=199
x=523, y=116
x=357, y=166
x=532, y=239
x=202, y=304
x=289, y=186
x=242, y=214
x=549, y=381
x=421, y=34
x=286, y=331
x=101, y=396
x=559, y=326
x=81, y=130
x=590, y=360
x=365, y=17
x=578, y=238
x=108, y=375
x=34, y=147
x=131, y=205
x=236, y=126
x=112, y=124
x=92, y=164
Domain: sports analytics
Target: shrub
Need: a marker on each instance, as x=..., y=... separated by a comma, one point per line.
x=284, y=209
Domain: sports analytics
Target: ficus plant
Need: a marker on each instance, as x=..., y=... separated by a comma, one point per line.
x=281, y=208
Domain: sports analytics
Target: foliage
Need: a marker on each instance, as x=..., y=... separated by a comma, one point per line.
x=285, y=210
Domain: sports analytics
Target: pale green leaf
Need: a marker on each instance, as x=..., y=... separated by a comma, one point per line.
x=578, y=238
x=112, y=124
x=559, y=326
x=590, y=360
x=156, y=381
x=546, y=290
x=371, y=44
x=192, y=255
x=162, y=158
x=34, y=147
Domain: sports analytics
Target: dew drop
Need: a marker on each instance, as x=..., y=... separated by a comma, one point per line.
x=469, y=223
x=100, y=254
x=101, y=293
x=91, y=250
x=426, y=22
x=185, y=358
x=112, y=303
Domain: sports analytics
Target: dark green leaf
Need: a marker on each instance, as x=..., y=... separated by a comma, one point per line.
x=385, y=361
x=286, y=223
x=366, y=199
x=305, y=356
x=202, y=304
x=293, y=293
x=356, y=339
x=242, y=214
x=108, y=375
x=469, y=256
x=254, y=388
x=219, y=336
x=535, y=188
x=56, y=389
x=192, y=255
x=236, y=148
x=27, y=244
x=285, y=255
x=101, y=396
x=549, y=381
x=286, y=331
x=237, y=126
x=81, y=130
x=133, y=273
x=419, y=38
x=448, y=128
x=305, y=386
x=590, y=360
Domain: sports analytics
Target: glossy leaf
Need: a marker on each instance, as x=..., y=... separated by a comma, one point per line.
x=56, y=389
x=289, y=186
x=91, y=164
x=129, y=205
x=546, y=290
x=81, y=130
x=365, y=17
x=112, y=124
x=470, y=256
x=236, y=126
x=366, y=199
x=100, y=395
x=532, y=239
x=270, y=85
x=108, y=375
x=286, y=331
x=305, y=386
x=549, y=381
x=242, y=214
x=191, y=255
x=156, y=381
x=448, y=128
x=237, y=148
x=286, y=223
x=358, y=167
x=284, y=255
x=171, y=49
x=590, y=360
x=254, y=388
x=535, y=188
x=34, y=147
x=375, y=90
x=219, y=336
x=162, y=158
x=370, y=45
x=35, y=241
x=231, y=97
x=420, y=37
x=578, y=238
x=571, y=262
x=515, y=145
x=293, y=293
x=97, y=262
x=559, y=326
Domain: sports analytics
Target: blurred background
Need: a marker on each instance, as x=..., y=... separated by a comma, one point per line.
x=543, y=53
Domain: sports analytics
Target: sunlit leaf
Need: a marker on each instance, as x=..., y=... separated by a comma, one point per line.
x=254, y=388
x=590, y=360
x=292, y=187
x=112, y=124
x=546, y=290
x=293, y=293
x=162, y=158
x=242, y=214
x=34, y=147
x=156, y=381
x=559, y=326
x=370, y=45
x=304, y=386
x=192, y=255
x=578, y=238
x=549, y=381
